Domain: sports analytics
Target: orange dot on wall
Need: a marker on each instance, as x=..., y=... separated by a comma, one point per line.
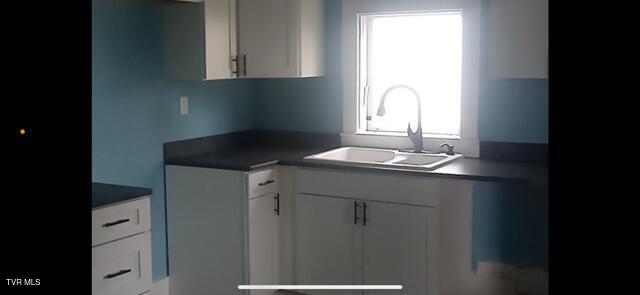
x=22, y=131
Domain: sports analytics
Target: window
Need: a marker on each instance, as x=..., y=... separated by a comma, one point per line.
x=422, y=50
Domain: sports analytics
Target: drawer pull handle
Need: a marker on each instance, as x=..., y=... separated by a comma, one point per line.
x=115, y=274
x=109, y=224
x=277, y=209
x=270, y=181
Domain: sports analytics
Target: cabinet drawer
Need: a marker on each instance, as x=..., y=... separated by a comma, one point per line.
x=402, y=189
x=119, y=221
x=122, y=267
x=262, y=182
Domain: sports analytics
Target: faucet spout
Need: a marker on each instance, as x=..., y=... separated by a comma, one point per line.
x=415, y=137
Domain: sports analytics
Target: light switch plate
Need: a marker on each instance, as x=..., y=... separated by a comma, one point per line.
x=184, y=105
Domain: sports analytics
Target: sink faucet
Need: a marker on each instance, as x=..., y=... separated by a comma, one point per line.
x=449, y=148
x=416, y=137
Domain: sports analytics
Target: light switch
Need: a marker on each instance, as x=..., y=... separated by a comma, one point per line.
x=184, y=105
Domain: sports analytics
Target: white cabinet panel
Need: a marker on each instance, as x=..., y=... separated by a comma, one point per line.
x=267, y=37
x=118, y=221
x=518, y=43
x=389, y=238
x=122, y=267
x=369, y=186
x=201, y=40
x=262, y=182
x=395, y=247
x=328, y=242
x=206, y=230
x=281, y=38
x=264, y=242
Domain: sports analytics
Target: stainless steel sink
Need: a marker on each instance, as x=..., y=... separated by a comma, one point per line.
x=384, y=157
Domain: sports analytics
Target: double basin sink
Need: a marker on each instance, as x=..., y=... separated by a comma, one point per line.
x=384, y=158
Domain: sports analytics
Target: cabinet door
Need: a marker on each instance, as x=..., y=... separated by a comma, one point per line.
x=205, y=230
x=200, y=40
x=263, y=242
x=268, y=38
x=220, y=38
x=395, y=247
x=328, y=243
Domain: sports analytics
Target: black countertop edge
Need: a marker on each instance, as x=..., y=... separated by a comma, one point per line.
x=103, y=194
x=235, y=167
x=442, y=172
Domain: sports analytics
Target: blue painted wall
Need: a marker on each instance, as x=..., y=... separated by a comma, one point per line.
x=135, y=109
x=514, y=110
x=510, y=222
x=310, y=104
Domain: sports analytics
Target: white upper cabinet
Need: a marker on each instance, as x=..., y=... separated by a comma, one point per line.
x=201, y=41
x=225, y=39
x=518, y=39
x=281, y=38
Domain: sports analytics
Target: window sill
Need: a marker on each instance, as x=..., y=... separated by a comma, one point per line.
x=392, y=140
x=404, y=134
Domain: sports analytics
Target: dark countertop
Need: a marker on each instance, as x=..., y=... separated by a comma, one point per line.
x=247, y=159
x=103, y=194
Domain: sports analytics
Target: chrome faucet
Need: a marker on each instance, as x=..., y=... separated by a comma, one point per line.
x=416, y=137
x=449, y=148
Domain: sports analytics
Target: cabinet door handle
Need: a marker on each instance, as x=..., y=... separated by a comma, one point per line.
x=244, y=64
x=355, y=212
x=234, y=65
x=277, y=209
x=364, y=216
x=270, y=181
x=109, y=224
x=115, y=274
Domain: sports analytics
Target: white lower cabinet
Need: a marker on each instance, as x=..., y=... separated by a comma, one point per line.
x=327, y=242
x=395, y=247
x=264, y=242
x=223, y=229
x=305, y=226
x=342, y=238
x=121, y=254
x=337, y=245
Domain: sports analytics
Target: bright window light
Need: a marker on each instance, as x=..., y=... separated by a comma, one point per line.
x=421, y=50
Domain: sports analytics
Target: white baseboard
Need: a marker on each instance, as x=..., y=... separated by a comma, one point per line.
x=160, y=287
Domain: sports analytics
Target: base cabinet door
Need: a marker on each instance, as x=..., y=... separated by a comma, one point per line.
x=395, y=247
x=264, y=242
x=328, y=243
x=205, y=230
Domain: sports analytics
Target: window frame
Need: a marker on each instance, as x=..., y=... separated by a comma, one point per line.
x=364, y=106
x=467, y=143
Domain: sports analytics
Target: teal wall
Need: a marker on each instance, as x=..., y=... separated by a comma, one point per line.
x=310, y=104
x=510, y=222
x=135, y=109
x=514, y=110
